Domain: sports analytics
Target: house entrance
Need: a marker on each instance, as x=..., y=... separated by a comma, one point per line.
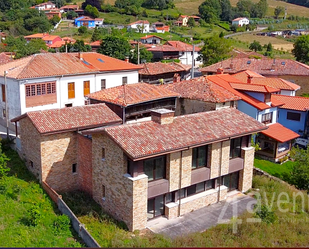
x=155, y=207
x=231, y=181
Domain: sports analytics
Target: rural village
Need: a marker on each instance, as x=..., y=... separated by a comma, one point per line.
x=154, y=123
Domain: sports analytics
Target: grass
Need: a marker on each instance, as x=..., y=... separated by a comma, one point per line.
x=27, y=214
x=290, y=228
x=275, y=169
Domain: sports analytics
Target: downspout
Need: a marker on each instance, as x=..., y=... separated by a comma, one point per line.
x=180, y=177
x=219, y=188
x=60, y=90
x=123, y=115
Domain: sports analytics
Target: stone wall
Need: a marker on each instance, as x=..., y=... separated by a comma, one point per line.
x=215, y=155
x=225, y=157
x=125, y=197
x=245, y=175
x=189, y=106
x=31, y=146
x=58, y=154
x=84, y=163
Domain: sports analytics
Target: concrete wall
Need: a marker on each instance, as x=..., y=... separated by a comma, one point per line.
x=189, y=106
x=247, y=109
x=292, y=124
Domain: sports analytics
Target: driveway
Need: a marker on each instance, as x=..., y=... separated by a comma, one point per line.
x=204, y=218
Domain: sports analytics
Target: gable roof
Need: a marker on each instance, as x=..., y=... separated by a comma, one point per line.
x=139, y=22
x=162, y=48
x=150, y=138
x=254, y=88
x=262, y=66
x=69, y=119
x=156, y=68
x=58, y=64
x=293, y=102
x=150, y=36
x=130, y=94
x=202, y=89
x=280, y=133
x=267, y=81
x=239, y=18
x=181, y=46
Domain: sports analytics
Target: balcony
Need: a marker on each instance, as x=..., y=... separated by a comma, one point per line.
x=158, y=187
x=236, y=164
x=200, y=175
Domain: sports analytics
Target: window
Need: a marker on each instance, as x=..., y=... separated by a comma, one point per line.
x=235, y=147
x=40, y=89
x=103, y=84
x=124, y=80
x=195, y=189
x=3, y=92
x=31, y=164
x=86, y=87
x=155, y=168
x=74, y=167
x=266, y=118
x=293, y=116
x=71, y=90
x=103, y=154
x=103, y=192
x=69, y=105
x=231, y=181
x=199, y=157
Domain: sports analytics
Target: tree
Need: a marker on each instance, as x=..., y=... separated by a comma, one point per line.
x=144, y=54
x=226, y=10
x=269, y=49
x=95, y=3
x=3, y=164
x=278, y=11
x=71, y=14
x=210, y=10
x=91, y=11
x=215, y=49
x=256, y=46
x=114, y=46
x=262, y=7
x=78, y=46
x=55, y=20
x=301, y=49
x=82, y=30
x=191, y=22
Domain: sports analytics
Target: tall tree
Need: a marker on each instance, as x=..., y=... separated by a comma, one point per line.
x=226, y=10
x=215, y=49
x=278, y=11
x=144, y=54
x=301, y=49
x=256, y=46
x=78, y=46
x=262, y=7
x=117, y=47
x=95, y=3
x=210, y=10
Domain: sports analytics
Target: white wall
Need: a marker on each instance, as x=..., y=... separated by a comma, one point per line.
x=288, y=93
x=186, y=58
x=274, y=117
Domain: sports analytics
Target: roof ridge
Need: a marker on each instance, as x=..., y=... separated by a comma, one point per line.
x=27, y=65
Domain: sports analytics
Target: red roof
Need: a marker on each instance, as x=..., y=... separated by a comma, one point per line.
x=156, y=68
x=181, y=46
x=254, y=88
x=162, y=48
x=150, y=138
x=57, y=44
x=131, y=94
x=139, y=22
x=293, y=102
x=150, y=36
x=4, y=58
x=54, y=64
x=73, y=118
x=202, y=89
x=262, y=66
x=280, y=133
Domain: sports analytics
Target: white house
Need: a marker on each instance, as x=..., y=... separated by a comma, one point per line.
x=141, y=26
x=49, y=81
x=98, y=22
x=44, y=6
x=151, y=39
x=240, y=21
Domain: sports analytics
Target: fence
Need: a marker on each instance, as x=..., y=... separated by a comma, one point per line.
x=64, y=209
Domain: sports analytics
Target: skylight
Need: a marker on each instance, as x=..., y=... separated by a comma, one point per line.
x=248, y=62
x=283, y=63
x=100, y=60
x=86, y=63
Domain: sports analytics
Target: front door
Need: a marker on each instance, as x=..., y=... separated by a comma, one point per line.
x=155, y=207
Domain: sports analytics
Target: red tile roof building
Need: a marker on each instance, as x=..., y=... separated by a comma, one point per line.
x=293, y=102
x=280, y=133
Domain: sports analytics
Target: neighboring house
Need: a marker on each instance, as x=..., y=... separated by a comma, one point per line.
x=201, y=95
x=164, y=52
x=72, y=7
x=135, y=101
x=286, y=69
x=170, y=166
x=44, y=6
x=257, y=101
x=160, y=73
x=98, y=22
x=185, y=52
x=240, y=21
x=141, y=26
x=151, y=39
x=95, y=45
x=4, y=58
x=55, y=80
x=54, y=149
x=293, y=114
x=160, y=27
x=47, y=38
x=51, y=14
x=183, y=20
x=84, y=21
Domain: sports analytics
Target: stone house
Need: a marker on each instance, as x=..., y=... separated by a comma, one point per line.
x=170, y=166
x=54, y=149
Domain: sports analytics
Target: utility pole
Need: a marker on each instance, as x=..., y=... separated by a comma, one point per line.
x=192, y=69
x=6, y=106
x=138, y=56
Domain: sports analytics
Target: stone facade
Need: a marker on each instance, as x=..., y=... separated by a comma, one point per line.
x=189, y=106
x=245, y=175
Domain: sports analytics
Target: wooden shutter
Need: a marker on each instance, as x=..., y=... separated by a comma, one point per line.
x=86, y=87
x=71, y=90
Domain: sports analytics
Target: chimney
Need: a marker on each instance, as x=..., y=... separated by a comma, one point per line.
x=126, y=59
x=162, y=116
x=80, y=56
x=249, y=79
x=220, y=70
x=273, y=65
x=176, y=77
x=231, y=65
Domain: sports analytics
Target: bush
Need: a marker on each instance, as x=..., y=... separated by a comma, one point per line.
x=265, y=214
x=82, y=30
x=61, y=224
x=34, y=216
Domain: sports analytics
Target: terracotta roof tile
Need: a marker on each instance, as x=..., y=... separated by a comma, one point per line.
x=262, y=66
x=162, y=48
x=181, y=46
x=73, y=118
x=150, y=36
x=254, y=88
x=139, y=22
x=202, y=89
x=280, y=133
x=293, y=102
x=4, y=58
x=149, y=138
x=131, y=94
x=54, y=64
x=161, y=68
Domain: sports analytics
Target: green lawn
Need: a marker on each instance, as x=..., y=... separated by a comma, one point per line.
x=275, y=169
x=28, y=217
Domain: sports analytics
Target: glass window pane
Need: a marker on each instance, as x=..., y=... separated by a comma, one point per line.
x=202, y=156
x=159, y=205
x=194, y=157
x=200, y=187
x=226, y=181
x=148, y=169
x=168, y=197
x=191, y=190
x=234, y=181
x=160, y=168
x=150, y=210
x=181, y=193
x=209, y=184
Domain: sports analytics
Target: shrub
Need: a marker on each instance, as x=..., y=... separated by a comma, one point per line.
x=61, y=224
x=34, y=216
x=266, y=215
